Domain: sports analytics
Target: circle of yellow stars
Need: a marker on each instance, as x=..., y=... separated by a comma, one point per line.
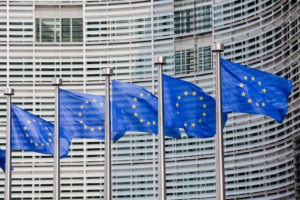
x=137, y=115
x=80, y=114
x=32, y=140
x=201, y=98
x=262, y=91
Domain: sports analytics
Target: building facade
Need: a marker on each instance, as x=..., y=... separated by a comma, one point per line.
x=74, y=40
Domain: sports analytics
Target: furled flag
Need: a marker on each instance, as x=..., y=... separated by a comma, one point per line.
x=138, y=110
x=2, y=159
x=32, y=133
x=188, y=107
x=83, y=114
x=248, y=90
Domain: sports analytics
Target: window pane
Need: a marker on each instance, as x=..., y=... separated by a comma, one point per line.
x=37, y=30
x=77, y=30
x=47, y=30
x=66, y=32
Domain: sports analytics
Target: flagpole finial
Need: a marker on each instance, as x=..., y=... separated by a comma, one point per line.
x=218, y=47
x=107, y=72
x=8, y=91
x=57, y=81
x=160, y=60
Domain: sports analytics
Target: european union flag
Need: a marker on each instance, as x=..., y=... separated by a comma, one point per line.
x=188, y=107
x=83, y=114
x=138, y=110
x=32, y=133
x=2, y=159
x=248, y=90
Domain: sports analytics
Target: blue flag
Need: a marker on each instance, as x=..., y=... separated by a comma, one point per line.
x=248, y=90
x=31, y=133
x=188, y=107
x=83, y=114
x=138, y=110
x=2, y=159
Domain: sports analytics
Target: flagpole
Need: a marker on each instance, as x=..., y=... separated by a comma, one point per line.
x=8, y=92
x=219, y=149
x=107, y=72
x=160, y=61
x=56, y=165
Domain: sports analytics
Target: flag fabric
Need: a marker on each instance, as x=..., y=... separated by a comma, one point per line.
x=82, y=114
x=2, y=159
x=188, y=107
x=248, y=90
x=32, y=133
x=137, y=110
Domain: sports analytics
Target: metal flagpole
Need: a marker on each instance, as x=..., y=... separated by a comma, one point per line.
x=219, y=151
x=56, y=174
x=107, y=72
x=8, y=92
x=160, y=61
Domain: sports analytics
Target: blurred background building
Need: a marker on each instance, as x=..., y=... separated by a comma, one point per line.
x=74, y=40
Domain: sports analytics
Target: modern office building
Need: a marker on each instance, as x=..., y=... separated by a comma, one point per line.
x=74, y=40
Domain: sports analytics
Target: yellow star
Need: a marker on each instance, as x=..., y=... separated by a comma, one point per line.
x=141, y=94
x=148, y=123
x=252, y=78
x=81, y=106
x=135, y=114
x=49, y=134
x=245, y=78
x=47, y=143
x=27, y=135
x=185, y=93
x=177, y=104
x=179, y=97
x=259, y=83
x=85, y=127
x=148, y=94
x=36, y=144
x=177, y=113
x=101, y=104
x=241, y=85
x=79, y=114
x=135, y=99
x=92, y=129
x=200, y=121
x=193, y=124
x=256, y=104
x=86, y=101
x=28, y=122
x=133, y=106
x=204, y=105
x=185, y=124
x=153, y=122
x=46, y=128
x=94, y=100
x=141, y=120
x=264, y=90
x=25, y=128
x=81, y=121
x=99, y=128
x=40, y=123
x=204, y=114
x=49, y=140
x=201, y=98
x=30, y=141
x=263, y=104
x=243, y=94
x=34, y=120
x=42, y=144
x=194, y=93
x=249, y=100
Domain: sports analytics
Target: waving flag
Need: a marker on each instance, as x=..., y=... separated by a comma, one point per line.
x=188, y=107
x=138, y=110
x=32, y=133
x=248, y=90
